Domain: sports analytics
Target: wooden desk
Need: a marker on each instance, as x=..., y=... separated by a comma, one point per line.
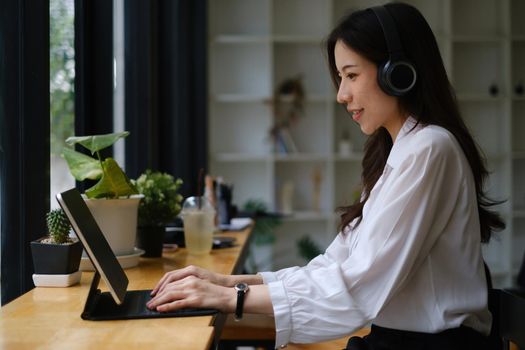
x=49, y=318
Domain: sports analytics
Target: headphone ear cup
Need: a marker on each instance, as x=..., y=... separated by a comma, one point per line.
x=397, y=78
x=382, y=78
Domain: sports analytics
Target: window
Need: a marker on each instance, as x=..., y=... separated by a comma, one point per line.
x=119, y=81
x=62, y=95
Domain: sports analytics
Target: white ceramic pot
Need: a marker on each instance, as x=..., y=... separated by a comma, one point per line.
x=117, y=218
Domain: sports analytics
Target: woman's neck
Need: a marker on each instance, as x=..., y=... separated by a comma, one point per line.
x=395, y=125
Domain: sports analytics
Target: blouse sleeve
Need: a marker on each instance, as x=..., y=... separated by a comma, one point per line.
x=333, y=296
x=337, y=251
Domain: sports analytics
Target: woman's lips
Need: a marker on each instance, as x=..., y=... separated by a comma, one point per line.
x=356, y=114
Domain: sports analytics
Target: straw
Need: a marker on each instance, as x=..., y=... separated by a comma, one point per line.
x=199, y=189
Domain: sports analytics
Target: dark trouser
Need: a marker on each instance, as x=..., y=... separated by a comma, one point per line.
x=380, y=338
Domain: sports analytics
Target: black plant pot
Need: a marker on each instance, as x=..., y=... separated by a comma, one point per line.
x=56, y=259
x=151, y=239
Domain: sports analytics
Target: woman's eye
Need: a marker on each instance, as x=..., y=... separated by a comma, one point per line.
x=350, y=76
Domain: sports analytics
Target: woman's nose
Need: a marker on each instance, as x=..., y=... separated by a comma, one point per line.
x=343, y=95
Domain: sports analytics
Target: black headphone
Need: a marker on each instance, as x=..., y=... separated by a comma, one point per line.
x=397, y=76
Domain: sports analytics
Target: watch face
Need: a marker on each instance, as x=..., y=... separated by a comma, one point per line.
x=241, y=287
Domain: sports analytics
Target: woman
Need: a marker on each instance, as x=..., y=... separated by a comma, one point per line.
x=408, y=257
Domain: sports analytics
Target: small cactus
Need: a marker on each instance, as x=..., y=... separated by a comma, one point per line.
x=58, y=226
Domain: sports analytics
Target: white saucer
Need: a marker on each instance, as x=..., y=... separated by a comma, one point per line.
x=126, y=261
x=57, y=280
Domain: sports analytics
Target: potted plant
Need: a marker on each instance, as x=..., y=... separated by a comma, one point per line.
x=161, y=205
x=261, y=246
x=113, y=200
x=56, y=257
x=308, y=248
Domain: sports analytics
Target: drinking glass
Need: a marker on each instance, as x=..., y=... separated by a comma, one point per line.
x=198, y=216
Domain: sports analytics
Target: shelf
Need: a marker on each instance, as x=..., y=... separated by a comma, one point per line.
x=470, y=62
x=466, y=97
x=518, y=213
x=353, y=157
x=230, y=17
x=307, y=216
x=515, y=271
x=518, y=38
x=233, y=98
x=291, y=157
x=241, y=39
x=232, y=70
x=312, y=98
x=477, y=39
x=298, y=39
x=518, y=98
x=241, y=157
x=517, y=8
x=301, y=157
x=320, y=98
x=301, y=17
x=498, y=271
x=299, y=60
x=496, y=157
x=477, y=18
x=518, y=155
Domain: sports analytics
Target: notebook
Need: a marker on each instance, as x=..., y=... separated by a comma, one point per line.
x=118, y=303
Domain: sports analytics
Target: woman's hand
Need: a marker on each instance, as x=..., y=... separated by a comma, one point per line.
x=194, y=292
x=203, y=274
x=196, y=287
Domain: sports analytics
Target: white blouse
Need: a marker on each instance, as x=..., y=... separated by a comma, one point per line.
x=413, y=263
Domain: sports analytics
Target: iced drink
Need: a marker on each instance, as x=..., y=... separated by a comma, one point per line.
x=199, y=225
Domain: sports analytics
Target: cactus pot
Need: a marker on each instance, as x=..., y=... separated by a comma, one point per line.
x=56, y=259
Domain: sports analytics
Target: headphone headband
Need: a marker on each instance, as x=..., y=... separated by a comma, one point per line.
x=393, y=42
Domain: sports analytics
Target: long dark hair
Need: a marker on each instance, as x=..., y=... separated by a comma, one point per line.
x=431, y=101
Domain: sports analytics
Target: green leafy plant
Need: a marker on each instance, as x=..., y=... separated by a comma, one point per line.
x=308, y=249
x=161, y=202
x=265, y=225
x=58, y=226
x=113, y=182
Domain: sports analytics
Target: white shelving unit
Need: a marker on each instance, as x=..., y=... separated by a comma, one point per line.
x=255, y=44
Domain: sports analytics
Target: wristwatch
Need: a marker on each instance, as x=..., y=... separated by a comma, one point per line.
x=241, y=288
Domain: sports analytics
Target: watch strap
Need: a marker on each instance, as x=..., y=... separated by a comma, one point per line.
x=240, y=304
x=242, y=289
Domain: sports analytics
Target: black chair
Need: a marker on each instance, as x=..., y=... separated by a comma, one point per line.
x=512, y=312
x=508, y=314
x=512, y=317
x=521, y=274
x=508, y=318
